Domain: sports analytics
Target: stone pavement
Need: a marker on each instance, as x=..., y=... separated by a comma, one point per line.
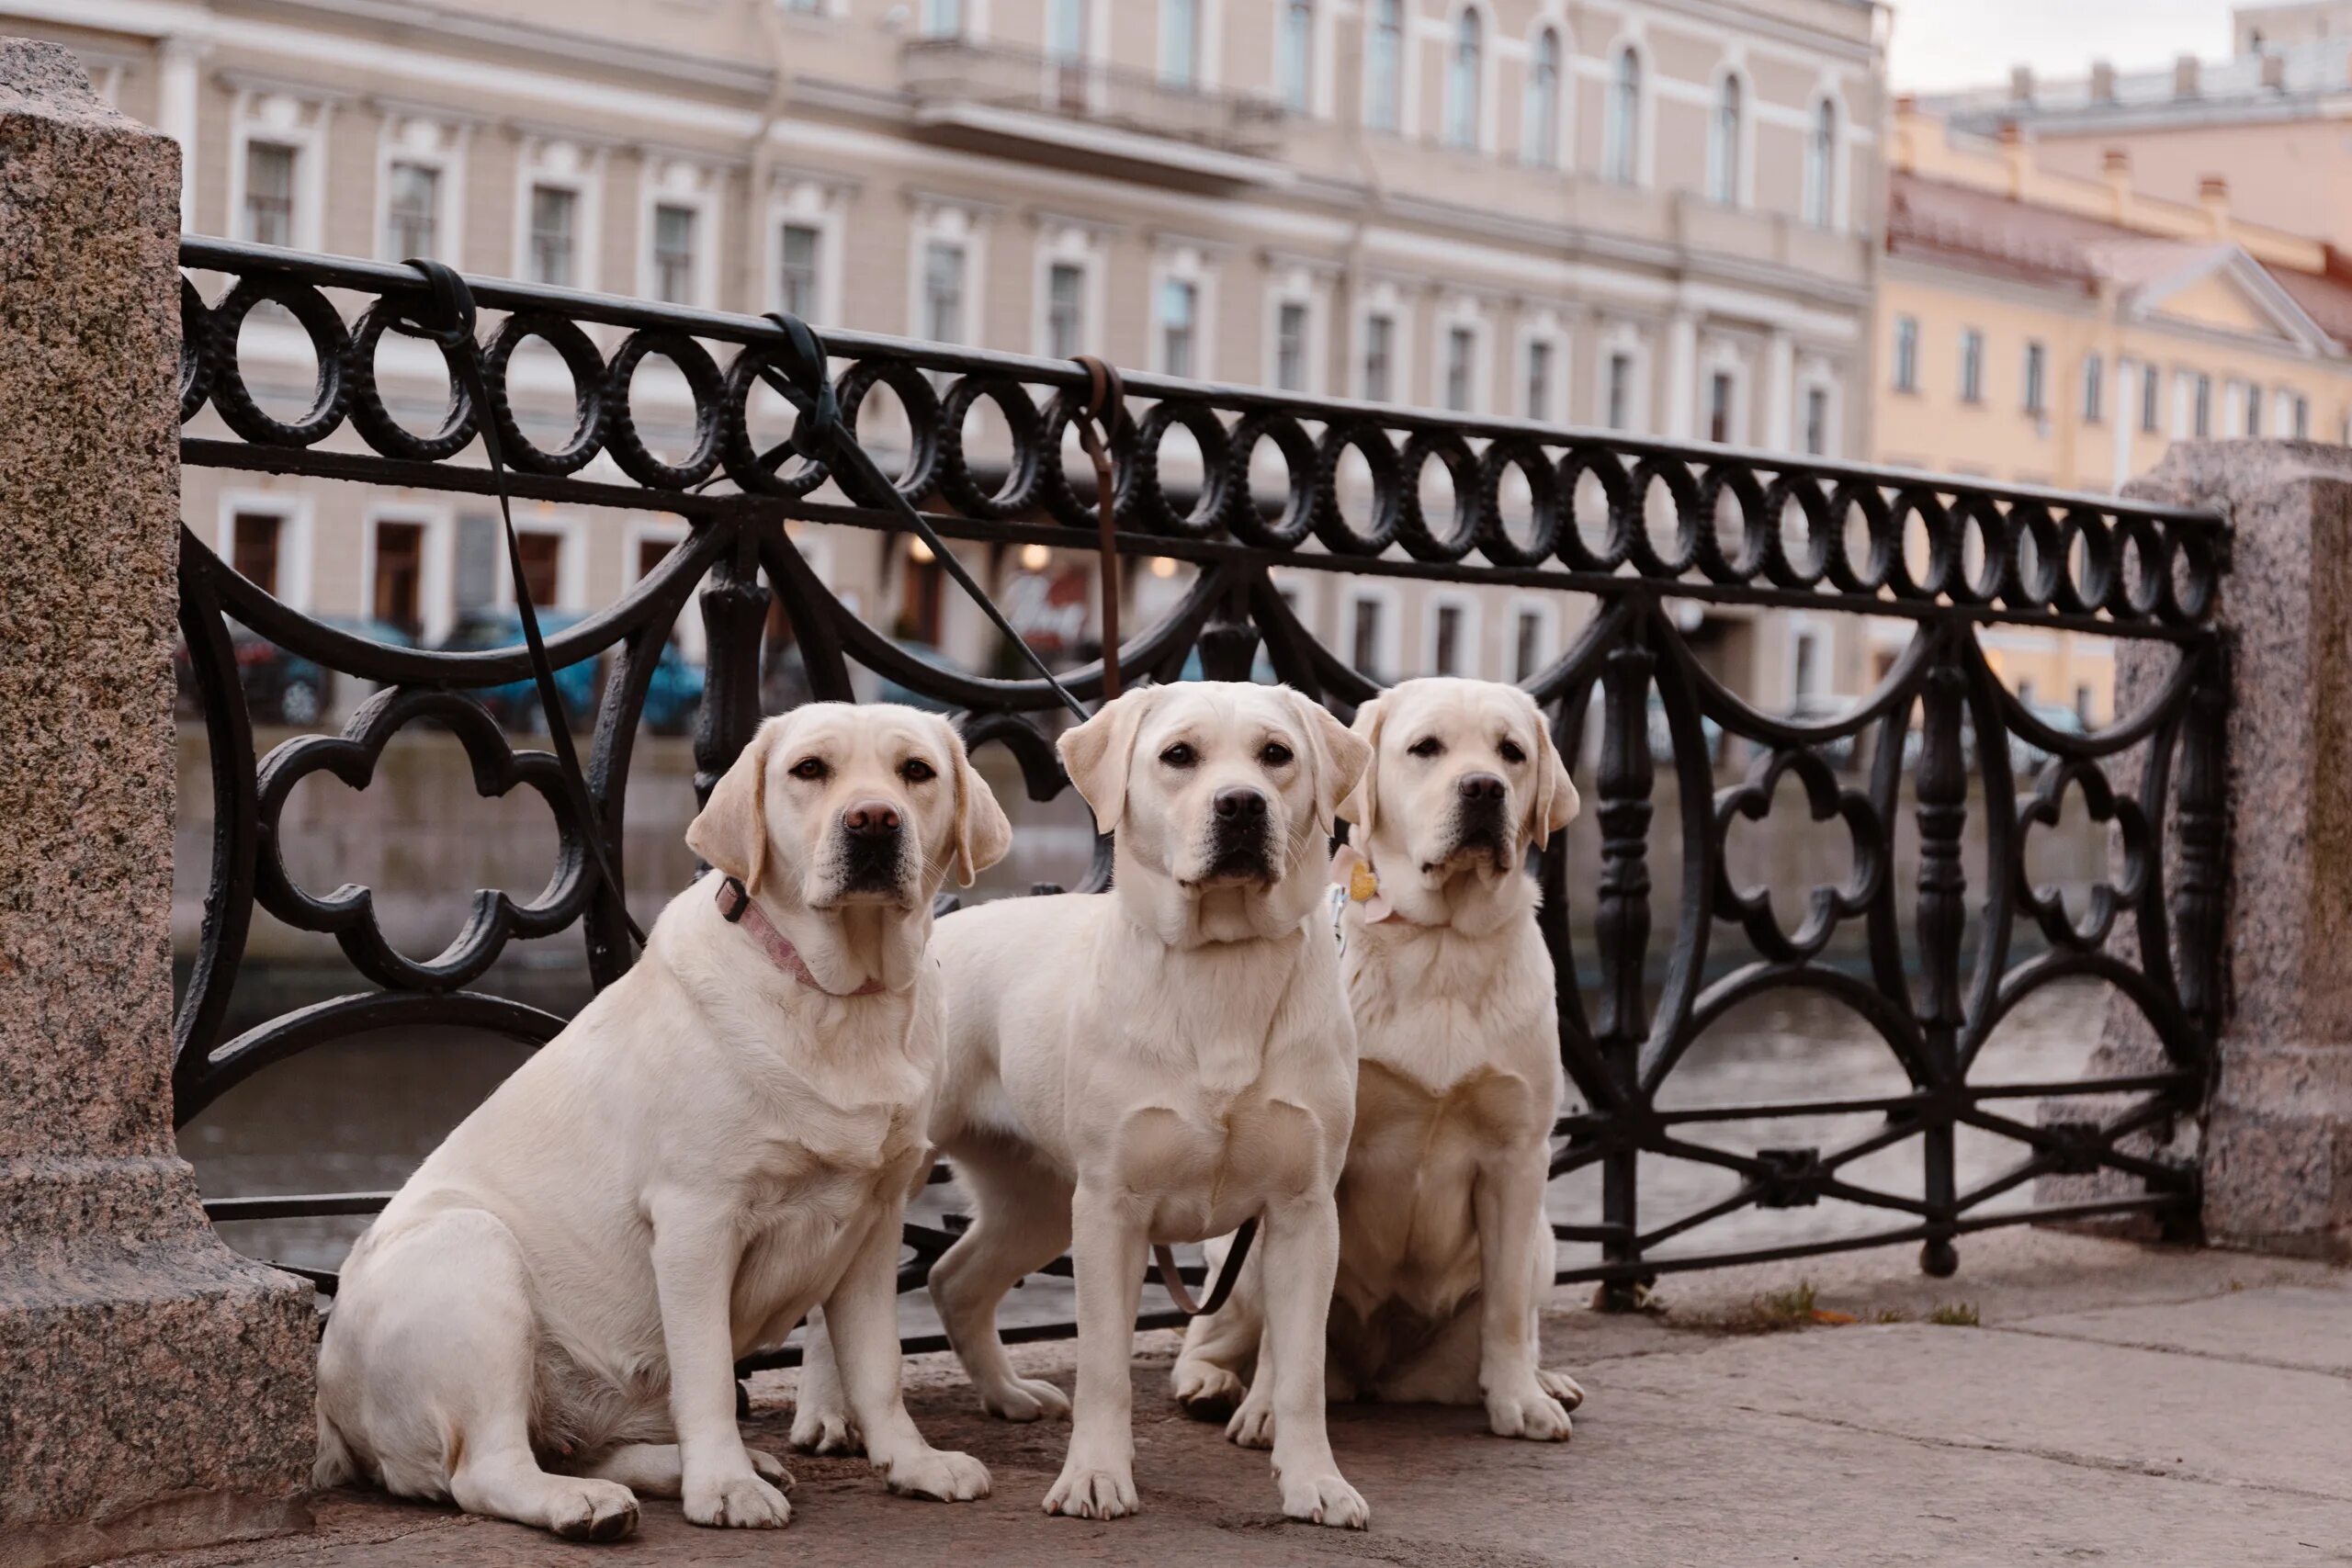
x=2113, y=1404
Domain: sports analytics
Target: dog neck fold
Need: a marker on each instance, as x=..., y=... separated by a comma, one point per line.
x=736, y=907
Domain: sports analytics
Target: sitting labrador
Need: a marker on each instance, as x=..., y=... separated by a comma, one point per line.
x=1445, y=1252
x=543, y=1322
x=1157, y=1065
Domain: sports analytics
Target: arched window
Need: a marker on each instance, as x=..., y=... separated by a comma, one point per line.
x=1623, y=154
x=1541, y=124
x=1297, y=63
x=1722, y=143
x=1821, y=166
x=1383, y=64
x=1463, y=70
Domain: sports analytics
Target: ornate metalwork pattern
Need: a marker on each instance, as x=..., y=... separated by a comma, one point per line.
x=1640, y=529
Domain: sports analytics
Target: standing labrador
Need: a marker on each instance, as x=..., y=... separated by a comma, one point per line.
x=545, y=1320
x=1158, y=1065
x=1445, y=1253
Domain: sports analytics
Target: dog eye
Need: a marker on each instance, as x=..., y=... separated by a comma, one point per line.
x=1512, y=753
x=1428, y=748
x=914, y=769
x=1179, y=756
x=810, y=768
x=1275, y=755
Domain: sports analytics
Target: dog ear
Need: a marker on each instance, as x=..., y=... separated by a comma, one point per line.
x=982, y=832
x=1556, y=802
x=1341, y=756
x=1361, y=805
x=732, y=829
x=1098, y=753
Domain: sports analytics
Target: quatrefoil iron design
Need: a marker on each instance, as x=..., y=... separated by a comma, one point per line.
x=348, y=914
x=1825, y=907
x=2048, y=904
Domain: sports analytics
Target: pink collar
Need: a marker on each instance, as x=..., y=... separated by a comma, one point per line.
x=735, y=907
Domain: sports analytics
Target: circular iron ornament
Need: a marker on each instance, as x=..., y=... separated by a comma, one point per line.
x=702, y=381
x=1412, y=520
x=1683, y=492
x=1330, y=519
x=1055, y=452
x=588, y=400
x=2190, y=586
x=195, y=367
x=778, y=471
x=329, y=395
x=1143, y=501
x=374, y=422
x=2031, y=571
x=2142, y=570
x=1976, y=511
x=1935, y=527
x=955, y=479
x=1496, y=541
x=1825, y=906
x=920, y=405
x=1617, y=493
x=1856, y=499
x=1759, y=527
x=2079, y=586
x=1301, y=463
x=2048, y=904
x=1779, y=567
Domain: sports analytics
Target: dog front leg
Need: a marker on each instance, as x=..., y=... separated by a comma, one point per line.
x=1302, y=1245
x=862, y=1319
x=1107, y=1244
x=694, y=1253
x=1509, y=1199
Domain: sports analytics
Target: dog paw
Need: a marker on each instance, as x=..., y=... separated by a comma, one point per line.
x=939, y=1474
x=816, y=1431
x=593, y=1510
x=771, y=1469
x=1562, y=1387
x=1252, y=1426
x=1325, y=1499
x=1083, y=1492
x=1207, y=1391
x=738, y=1501
x=1024, y=1399
x=1528, y=1412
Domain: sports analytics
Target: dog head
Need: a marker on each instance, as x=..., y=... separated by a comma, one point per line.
x=1464, y=778
x=1222, y=795
x=835, y=806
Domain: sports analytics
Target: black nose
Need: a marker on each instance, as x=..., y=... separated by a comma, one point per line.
x=871, y=819
x=1481, y=786
x=1241, y=803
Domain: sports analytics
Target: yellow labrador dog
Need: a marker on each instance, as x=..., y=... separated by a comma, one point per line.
x=1158, y=1065
x=543, y=1322
x=1445, y=1253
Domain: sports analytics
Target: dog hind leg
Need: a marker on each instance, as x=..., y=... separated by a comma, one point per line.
x=1020, y=1224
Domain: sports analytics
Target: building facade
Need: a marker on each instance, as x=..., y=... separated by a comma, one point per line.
x=1661, y=216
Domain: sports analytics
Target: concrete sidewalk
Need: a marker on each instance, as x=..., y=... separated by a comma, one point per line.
x=2113, y=1404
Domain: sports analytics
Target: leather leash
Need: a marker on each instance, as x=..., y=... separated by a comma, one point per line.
x=1105, y=402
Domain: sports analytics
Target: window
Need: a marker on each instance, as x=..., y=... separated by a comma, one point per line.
x=1180, y=42
x=1719, y=408
x=412, y=210
x=399, y=575
x=943, y=18
x=1821, y=167
x=1804, y=663
x=1540, y=126
x=1817, y=422
x=2083, y=703
x=2302, y=419
x=1065, y=30
x=2037, y=366
x=1972, y=365
x=1297, y=67
x=1461, y=368
x=1179, y=302
x=1621, y=391
x=1379, y=357
x=2094, y=389
x=555, y=223
x=2151, y=418
x=269, y=193
x=542, y=564
x=1065, y=309
x=1383, y=64
x=1539, y=379
x=1463, y=67
x=1445, y=652
x=1527, y=644
x=674, y=253
x=1365, y=644
x=798, y=248
x=1722, y=143
x=1290, y=346
x=254, y=538
x=1906, y=354
x=2202, y=423
x=943, y=291
x=2253, y=410
x=1623, y=154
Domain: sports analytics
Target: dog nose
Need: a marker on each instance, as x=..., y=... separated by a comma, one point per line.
x=871, y=819
x=1239, y=804
x=1481, y=787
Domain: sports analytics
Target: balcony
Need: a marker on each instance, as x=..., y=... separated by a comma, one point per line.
x=1090, y=115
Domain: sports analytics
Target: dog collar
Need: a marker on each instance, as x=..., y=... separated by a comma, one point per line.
x=1354, y=881
x=736, y=908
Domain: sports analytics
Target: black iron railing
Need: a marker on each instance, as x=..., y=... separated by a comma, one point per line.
x=1658, y=526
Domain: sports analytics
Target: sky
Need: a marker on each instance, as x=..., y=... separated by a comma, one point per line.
x=1940, y=44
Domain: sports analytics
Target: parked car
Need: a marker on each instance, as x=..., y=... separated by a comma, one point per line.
x=515, y=704
x=280, y=687
x=2026, y=756
x=1261, y=669
x=675, y=693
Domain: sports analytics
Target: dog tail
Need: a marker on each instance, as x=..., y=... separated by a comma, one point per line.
x=333, y=1466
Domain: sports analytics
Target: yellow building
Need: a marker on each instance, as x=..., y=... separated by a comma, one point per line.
x=2039, y=328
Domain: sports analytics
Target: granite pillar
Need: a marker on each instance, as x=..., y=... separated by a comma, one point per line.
x=155, y=1387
